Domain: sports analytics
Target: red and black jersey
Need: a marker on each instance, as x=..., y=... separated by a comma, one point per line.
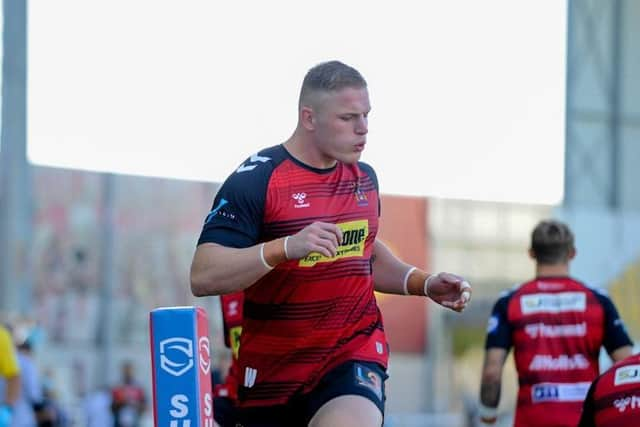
x=614, y=398
x=306, y=316
x=556, y=326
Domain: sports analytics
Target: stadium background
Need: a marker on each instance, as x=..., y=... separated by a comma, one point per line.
x=88, y=254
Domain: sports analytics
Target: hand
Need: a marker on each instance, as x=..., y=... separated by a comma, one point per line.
x=449, y=290
x=321, y=237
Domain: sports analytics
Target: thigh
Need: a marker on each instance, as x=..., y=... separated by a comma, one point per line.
x=354, y=390
x=223, y=412
x=347, y=411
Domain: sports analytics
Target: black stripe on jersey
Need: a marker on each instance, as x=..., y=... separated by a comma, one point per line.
x=606, y=401
x=339, y=308
x=339, y=187
x=559, y=376
x=268, y=390
x=323, y=271
x=283, y=311
x=283, y=228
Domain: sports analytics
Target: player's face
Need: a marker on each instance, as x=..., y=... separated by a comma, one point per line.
x=342, y=125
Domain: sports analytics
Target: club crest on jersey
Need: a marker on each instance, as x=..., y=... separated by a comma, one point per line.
x=300, y=199
x=354, y=235
x=361, y=198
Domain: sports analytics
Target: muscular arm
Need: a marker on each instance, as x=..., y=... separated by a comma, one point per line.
x=217, y=269
x=621, y=353
x=393, y=276
x=388, y=270
x=491, y=382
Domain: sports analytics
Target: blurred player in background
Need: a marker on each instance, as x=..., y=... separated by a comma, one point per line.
x=128, y=399
x=614, y=397
x=295, y=228
x=9, y=376
x=226, y=394
x=556, y=326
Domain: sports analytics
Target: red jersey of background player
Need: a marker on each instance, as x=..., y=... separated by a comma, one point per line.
x=556, y=327
x=231, y=306
x=310, y=315
x=614, y=398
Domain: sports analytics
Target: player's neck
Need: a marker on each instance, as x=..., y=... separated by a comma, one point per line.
x=552, y=270
x=300, y=147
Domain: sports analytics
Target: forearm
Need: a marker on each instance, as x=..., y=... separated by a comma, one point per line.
x=490, y=392
x=491, y=383
x=391, y=275
x=217, y=270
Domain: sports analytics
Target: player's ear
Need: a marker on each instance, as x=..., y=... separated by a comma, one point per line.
x=532, y=254
x=572, y=254
x=308, y=118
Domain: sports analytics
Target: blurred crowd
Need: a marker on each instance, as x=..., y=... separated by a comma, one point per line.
x=29, y=395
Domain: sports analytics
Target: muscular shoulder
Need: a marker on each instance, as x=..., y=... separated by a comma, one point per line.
x=258, y=166
x=368, y=170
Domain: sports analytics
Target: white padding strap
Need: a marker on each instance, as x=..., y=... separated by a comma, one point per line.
x=405, y=282
x=264, y=261
x=286, y=253
x=426, y=284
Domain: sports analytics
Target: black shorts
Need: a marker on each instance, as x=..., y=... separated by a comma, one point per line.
x=224, y=411
x=354, y=377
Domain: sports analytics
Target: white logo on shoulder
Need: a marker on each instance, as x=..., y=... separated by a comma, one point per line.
x=627, y=375
x=553, y=303
x=252, y=163
x=493, y=324
x=300, y=199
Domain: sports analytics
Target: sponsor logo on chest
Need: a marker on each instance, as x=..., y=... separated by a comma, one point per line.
x=627, y=375
x=545, y=362
x=542, y=330
x=553, y=302
x=354, y=235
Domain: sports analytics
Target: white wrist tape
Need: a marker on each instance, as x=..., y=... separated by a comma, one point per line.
x=486, y=412
x=264, y=261
x=405, y=281
x=426, y=284
x=286, y=253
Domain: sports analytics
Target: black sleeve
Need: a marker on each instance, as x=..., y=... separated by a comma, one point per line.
x=587, y=419
x=236, y=217
x=366, y=168
x=498, y=327
x=615, y=333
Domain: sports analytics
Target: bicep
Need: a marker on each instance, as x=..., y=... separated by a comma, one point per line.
x=615, y=336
